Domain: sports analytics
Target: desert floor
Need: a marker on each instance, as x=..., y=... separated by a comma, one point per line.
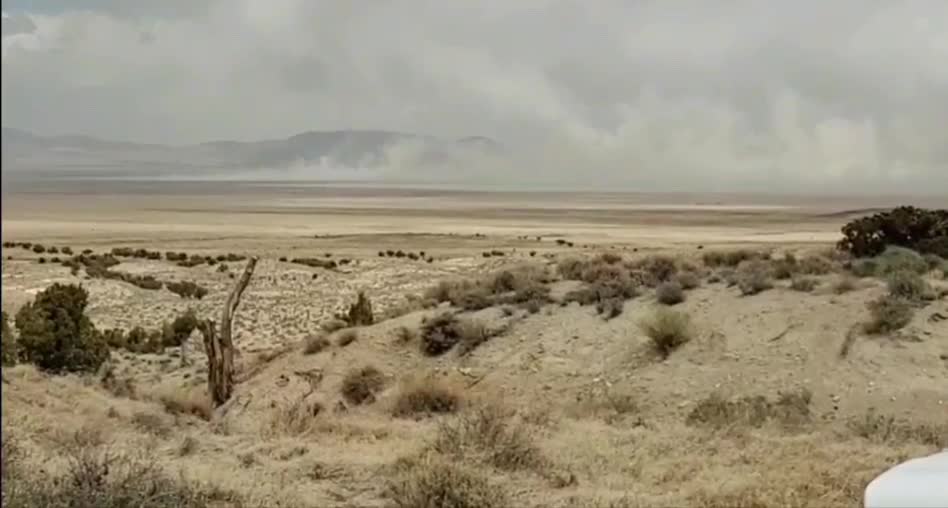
x=608, y=419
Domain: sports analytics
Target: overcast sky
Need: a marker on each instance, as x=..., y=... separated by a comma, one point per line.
x=806, y=93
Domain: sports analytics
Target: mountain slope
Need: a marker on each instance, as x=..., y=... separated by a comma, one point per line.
x=368, y=149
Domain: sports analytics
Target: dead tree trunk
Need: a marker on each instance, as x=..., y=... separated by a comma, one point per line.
x=220, y=348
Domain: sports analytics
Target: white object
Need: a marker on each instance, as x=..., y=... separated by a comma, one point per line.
x=917, y=483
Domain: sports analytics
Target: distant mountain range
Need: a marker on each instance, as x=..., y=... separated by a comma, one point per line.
x=340, y=150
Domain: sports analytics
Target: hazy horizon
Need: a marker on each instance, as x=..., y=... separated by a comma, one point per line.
x=848, y=97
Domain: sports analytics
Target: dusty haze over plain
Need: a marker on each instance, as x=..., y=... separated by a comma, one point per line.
x=848, y=96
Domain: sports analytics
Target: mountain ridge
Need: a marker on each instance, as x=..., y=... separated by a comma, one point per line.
x=352, y=149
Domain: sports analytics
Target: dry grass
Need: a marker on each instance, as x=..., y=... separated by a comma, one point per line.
x=487, y=434
x=421, y=397
x=888, y=429
x=667, y=329
x=434, y=482
x=732, y=258
x=789, y=409
x=183, y=401
x=315, y=343
x=804, y=284
x=95, y=474
x=360, y=386
x=296, y=418
x=844, y=285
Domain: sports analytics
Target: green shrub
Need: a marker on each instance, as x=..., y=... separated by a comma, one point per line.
x=7, y=342
x=908, y=285
x=55, y=333
x=900, y=259
x=667, y=329
x=888, y=314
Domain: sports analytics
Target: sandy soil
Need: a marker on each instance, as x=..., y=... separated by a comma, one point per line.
x=561, y=370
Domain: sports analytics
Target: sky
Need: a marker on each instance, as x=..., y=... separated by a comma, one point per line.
x=804, y=94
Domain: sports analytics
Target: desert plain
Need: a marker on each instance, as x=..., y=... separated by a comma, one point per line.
x=776, y=400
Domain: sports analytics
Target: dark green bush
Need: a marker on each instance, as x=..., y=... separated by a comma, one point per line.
x=187, y=289
x=56, y=334
x=915, y=228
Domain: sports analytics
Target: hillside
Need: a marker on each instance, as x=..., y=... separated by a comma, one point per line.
x=773, y=402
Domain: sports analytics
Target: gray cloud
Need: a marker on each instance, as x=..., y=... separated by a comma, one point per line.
x=846, y=95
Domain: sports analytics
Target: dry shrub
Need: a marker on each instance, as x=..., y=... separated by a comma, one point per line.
x=658, y=268
x=360, y=386
x=607, y=287
x=804, y=284
x=815, y=265
x=688, y=279
x=472, y=333
x=610, y=258
x=404, y=334
x=908, y=285
x=890, y=430
x=187, y=402
x=334, y=325
x=433, y=482
x=296, y=418
x=421, y=397
x=486, y=433
x=439, y=334
x=753, y=277
x=669, y=293
x=667, y=329
x=519, y=285
x=347, y=337
x=444, y=331
x=316, y=343
x=790, y=408
x=844, y=285
x=731, y=258
x=785, y=267
x=888, y=314
x=360, y=312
